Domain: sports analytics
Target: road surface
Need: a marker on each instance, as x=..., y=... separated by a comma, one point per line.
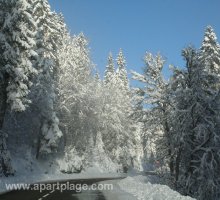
x=32, y=194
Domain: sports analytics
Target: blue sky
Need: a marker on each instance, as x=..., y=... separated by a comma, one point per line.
x=137, y=26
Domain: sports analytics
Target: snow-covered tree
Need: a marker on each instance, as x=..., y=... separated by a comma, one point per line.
x=17, y=50
x=195, y=121
x=184, y=96
x=17, y=33
x=153, y=108
x=198, y=116
x=72, y=162
x=48, y=41
x=76, y=92
x=209, y=52
x=185, y=113
x=118, y=127
x=121, y=71
x=110, y=70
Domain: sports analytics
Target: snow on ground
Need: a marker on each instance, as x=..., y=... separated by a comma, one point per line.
x=29, y=170
x=117, y=193
x=141, y=189
x=38, y=175
x=134, y=187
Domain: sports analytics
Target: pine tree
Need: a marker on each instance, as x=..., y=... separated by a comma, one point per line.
x=17, y=38
x=110, y=70
x=209, y=52
x=48, y=42
x=76, y=92
x=195, y=127
x=121, y=71
x=185, y=95
x=99, y=155
x=153, y=108
x=17, y=33
x=204, y=158
x=97, y=77
x=118, y=128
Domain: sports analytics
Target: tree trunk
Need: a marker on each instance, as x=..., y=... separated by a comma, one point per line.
x=39, y=138
x=171, y=162
x=177, y=167
x=5, y=161
x=3, y=100
x=170, y=153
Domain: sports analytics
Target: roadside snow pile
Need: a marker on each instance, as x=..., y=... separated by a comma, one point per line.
x=147, y=191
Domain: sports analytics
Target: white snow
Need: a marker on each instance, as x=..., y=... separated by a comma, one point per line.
x=142, y=189
x=29, y=170
x=134, y=187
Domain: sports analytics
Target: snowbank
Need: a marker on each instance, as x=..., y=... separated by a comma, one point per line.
x=139, y=187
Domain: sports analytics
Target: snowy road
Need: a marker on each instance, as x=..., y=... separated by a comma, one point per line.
x=132, y=187
x=89, y=194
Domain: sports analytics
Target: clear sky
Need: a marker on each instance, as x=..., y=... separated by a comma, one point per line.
x=137, y=26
